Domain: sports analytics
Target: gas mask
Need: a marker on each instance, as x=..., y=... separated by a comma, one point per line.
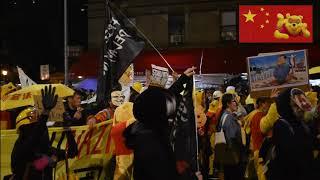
x=117, y=98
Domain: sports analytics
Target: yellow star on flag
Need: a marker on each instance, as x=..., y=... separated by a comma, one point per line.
x=267, y=21
x=267, y=14
x=261, y=26
x=261, y=9
x=249, y=16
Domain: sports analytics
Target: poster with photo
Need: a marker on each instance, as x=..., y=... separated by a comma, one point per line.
x=278, y=70
x=159, y=76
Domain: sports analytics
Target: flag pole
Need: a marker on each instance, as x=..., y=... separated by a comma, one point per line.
x=146, y=38
x=200, y=72
x=195, y=121
x=65, y=16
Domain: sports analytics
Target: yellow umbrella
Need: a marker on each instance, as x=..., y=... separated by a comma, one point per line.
x=7, y=88
x=314, y=70
x=24, y=96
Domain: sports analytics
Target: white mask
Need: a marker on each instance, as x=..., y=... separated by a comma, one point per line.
x=117, y=98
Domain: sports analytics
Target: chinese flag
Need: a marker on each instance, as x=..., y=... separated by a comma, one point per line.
x=258, y=23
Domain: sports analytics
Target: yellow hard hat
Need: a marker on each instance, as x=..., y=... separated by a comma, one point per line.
x=250, y=100
x=231, y=90
x=24, y=117
x=137, y=86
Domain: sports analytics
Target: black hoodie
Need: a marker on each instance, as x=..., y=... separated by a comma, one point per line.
x=33, y=143
x=294, y=156
x=149, y=137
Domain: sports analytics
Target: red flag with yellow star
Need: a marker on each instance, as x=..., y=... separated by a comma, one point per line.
x=275, y=24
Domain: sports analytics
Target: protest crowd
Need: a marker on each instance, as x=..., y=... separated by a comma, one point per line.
x=268, y=137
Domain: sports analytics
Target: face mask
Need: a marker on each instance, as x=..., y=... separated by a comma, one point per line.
x=302, y=102
x=117, y=98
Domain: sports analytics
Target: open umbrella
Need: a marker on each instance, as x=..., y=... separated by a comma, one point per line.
x=24, y=96
x=314, y=70
x=7, y=88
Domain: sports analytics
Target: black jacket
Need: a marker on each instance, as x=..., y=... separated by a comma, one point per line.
x=32, y=143
x=153, y=159
x=294, y=158
x=68, y=117
x=293, y=144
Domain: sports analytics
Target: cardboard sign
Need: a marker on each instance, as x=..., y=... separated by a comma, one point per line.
x=277, y=70
x=159, y=76
x=56, y=113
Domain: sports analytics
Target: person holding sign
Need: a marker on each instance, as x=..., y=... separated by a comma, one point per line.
x=32, y=156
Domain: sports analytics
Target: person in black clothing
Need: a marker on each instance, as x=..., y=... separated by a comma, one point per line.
x=74, y=114
x=149, y=136
x=32, y=156
x=292, y=138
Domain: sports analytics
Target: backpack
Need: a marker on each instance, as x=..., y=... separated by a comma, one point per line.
x=268, y=150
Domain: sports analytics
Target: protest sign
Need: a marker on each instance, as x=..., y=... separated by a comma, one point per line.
x=159, y=76
x=277, y=70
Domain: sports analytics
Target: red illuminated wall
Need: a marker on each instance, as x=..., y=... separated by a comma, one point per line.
x=215, y=60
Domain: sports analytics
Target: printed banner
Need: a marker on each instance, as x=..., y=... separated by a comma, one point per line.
x=278, y=70
x=95, y=151
x=275, y=24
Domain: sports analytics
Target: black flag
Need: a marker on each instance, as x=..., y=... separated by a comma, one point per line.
x=121, y=46
x=182, y=136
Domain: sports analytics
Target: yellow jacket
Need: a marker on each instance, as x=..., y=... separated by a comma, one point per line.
x=268, y=120
x=247, y=121
x=272, y=116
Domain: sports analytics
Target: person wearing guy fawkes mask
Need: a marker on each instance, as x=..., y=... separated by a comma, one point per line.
x=292, y=138
x=117, y=99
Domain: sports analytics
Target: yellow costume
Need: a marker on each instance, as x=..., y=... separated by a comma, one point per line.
x=124, y=159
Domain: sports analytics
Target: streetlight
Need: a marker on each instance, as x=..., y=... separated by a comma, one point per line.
x=4, y=72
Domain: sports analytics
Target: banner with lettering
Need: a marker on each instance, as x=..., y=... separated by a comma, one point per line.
x=121, y=46
x=95, y=151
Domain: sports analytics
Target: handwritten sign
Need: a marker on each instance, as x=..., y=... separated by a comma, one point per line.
x=56, y=113
x=159, y=76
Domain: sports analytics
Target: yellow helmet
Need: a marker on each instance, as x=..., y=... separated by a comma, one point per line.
x=250, y=100
x=137, y=86
x=24, y=117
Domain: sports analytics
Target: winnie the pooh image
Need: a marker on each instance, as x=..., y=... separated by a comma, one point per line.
x=291, y=26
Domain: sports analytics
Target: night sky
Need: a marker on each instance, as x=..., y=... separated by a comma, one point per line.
x=32, y=32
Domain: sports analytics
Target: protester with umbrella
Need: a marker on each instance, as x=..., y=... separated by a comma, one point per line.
x=32, y=156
